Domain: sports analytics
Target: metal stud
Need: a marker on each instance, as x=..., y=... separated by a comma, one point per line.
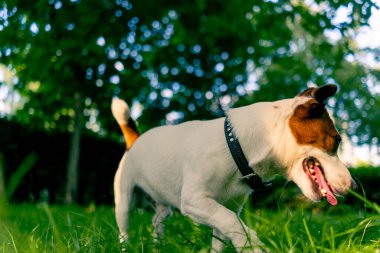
x=232, y=139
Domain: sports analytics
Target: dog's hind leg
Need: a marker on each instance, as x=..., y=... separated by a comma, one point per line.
x=122, y=206
x=162, y=212
x=123, y=187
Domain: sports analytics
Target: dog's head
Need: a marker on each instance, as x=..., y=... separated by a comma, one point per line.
x=315, y=166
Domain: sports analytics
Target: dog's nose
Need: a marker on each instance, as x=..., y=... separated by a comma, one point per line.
x=354, y=185
x=338, y=139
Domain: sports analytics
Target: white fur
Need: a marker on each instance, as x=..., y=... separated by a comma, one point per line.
x=120, y=110
x=189, y=167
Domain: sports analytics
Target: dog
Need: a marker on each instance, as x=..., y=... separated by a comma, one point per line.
x=190, y=166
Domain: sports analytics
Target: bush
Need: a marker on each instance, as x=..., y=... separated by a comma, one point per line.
x=46, y=179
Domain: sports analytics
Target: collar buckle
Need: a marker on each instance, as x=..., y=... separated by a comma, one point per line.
x=248, y=176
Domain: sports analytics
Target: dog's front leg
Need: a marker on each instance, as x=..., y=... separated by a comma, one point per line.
x=217, y=243
x=205, y=210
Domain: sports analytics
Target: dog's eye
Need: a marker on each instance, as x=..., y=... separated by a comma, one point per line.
x=314, y=106
x=338, y=139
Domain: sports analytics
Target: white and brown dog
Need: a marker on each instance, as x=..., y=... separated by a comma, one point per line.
x=190, y=167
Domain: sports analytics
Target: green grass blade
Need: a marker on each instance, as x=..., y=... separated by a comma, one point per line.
x=288, y=235
x=11, y=236
x=374, y=206
x=3, y=193
x=332, y=242
x=16, y=177
x=309, y=235
x=55, y=229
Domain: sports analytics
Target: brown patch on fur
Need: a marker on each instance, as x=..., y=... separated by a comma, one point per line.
x=130, y=134
x=311, y=125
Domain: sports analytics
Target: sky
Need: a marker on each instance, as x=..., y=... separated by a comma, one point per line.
x=370, y=36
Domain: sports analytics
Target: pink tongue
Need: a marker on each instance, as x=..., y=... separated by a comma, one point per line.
x=322, y=183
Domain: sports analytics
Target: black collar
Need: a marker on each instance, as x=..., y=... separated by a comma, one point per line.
x=249, y=176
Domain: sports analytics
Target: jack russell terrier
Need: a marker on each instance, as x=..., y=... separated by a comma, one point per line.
x=206, y=169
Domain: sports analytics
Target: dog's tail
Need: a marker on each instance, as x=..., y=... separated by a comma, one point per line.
x=122, y=114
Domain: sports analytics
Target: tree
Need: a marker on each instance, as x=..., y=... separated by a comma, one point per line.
x=180, y=60
x=66, y=59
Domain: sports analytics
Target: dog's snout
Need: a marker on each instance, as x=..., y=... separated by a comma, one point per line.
x=345, y=186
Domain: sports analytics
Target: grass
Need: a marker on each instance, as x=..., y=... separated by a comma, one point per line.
x=312, y=228
x=293, y=227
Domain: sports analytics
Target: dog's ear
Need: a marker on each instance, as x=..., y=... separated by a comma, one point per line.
x=321, y=93
x=309, y=92
x=324, y=92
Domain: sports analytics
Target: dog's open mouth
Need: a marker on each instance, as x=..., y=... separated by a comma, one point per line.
x=315, y=172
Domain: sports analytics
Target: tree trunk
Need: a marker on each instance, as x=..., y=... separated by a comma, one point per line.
x=74, y=154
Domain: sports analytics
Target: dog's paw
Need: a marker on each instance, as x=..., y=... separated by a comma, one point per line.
x=254, y=249
x=254, y=244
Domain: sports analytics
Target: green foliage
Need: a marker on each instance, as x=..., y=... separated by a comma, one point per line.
x=45, y=179
x=193, y=59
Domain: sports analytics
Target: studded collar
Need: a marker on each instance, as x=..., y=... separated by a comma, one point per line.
x=249, y=176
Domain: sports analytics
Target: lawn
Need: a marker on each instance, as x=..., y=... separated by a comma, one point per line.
x=307, y=228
